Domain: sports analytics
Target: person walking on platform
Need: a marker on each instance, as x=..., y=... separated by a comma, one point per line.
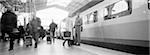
x=52, y=28
x=78, y=23
x=21, y=33
x=9, y=23
x=35, y=27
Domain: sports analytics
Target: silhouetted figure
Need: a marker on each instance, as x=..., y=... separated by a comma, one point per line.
x=53, y=27
x=21, y=33
x=35, y=27
x=9, y=23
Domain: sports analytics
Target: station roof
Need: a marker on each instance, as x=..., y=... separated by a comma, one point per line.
x=87, y=6
x=72, y=6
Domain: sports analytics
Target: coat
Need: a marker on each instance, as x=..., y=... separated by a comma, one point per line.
x=52, y=26
x=8, y=21
x=35, y=25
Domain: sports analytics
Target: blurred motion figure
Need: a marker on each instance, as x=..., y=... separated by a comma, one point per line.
x=52, y=28
x=9, y=25
x=35, y=27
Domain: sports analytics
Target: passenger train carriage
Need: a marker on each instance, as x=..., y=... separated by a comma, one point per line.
x=118, y=24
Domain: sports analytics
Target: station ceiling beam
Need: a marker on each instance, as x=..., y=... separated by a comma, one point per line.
x=87, y=6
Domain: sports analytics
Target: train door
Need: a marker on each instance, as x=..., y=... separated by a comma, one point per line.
x=90, y=27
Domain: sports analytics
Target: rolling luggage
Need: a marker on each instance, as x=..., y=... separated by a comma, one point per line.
x=67, y=37
x=49, y=39
x=67, y=34
x=28, y=41
x=70, y=42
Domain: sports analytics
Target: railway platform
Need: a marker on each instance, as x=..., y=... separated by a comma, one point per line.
x=56, y=49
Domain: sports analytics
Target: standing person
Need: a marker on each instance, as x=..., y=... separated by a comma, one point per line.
x=35, y=27
x=52, y=27
x=21, y=33
x=78, y=23
x=9, y=23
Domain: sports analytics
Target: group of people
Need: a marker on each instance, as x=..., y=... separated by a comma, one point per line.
x=33, y=28
x=9, y=26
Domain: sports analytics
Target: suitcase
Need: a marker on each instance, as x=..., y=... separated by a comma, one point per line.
x=48, y=38
x=67, y=34
x=71, y=42
x=28, y=41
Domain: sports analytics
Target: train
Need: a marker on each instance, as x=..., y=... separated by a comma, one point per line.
x=121, y=25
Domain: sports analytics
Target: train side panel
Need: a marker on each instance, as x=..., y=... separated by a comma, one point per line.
x=131, y=30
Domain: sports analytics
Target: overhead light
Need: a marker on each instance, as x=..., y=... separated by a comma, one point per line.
x=23, y=1
x=63, y=3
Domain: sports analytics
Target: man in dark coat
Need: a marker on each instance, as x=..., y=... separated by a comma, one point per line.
x=9, y=23
x=52, y=29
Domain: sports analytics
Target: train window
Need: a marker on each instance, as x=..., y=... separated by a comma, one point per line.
x=91, y=17
x=87, y=16
x=148, y=4
x=91, y=20
x=124, y=8
x=119, y=7
x=95, y=16
x=105, y=12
